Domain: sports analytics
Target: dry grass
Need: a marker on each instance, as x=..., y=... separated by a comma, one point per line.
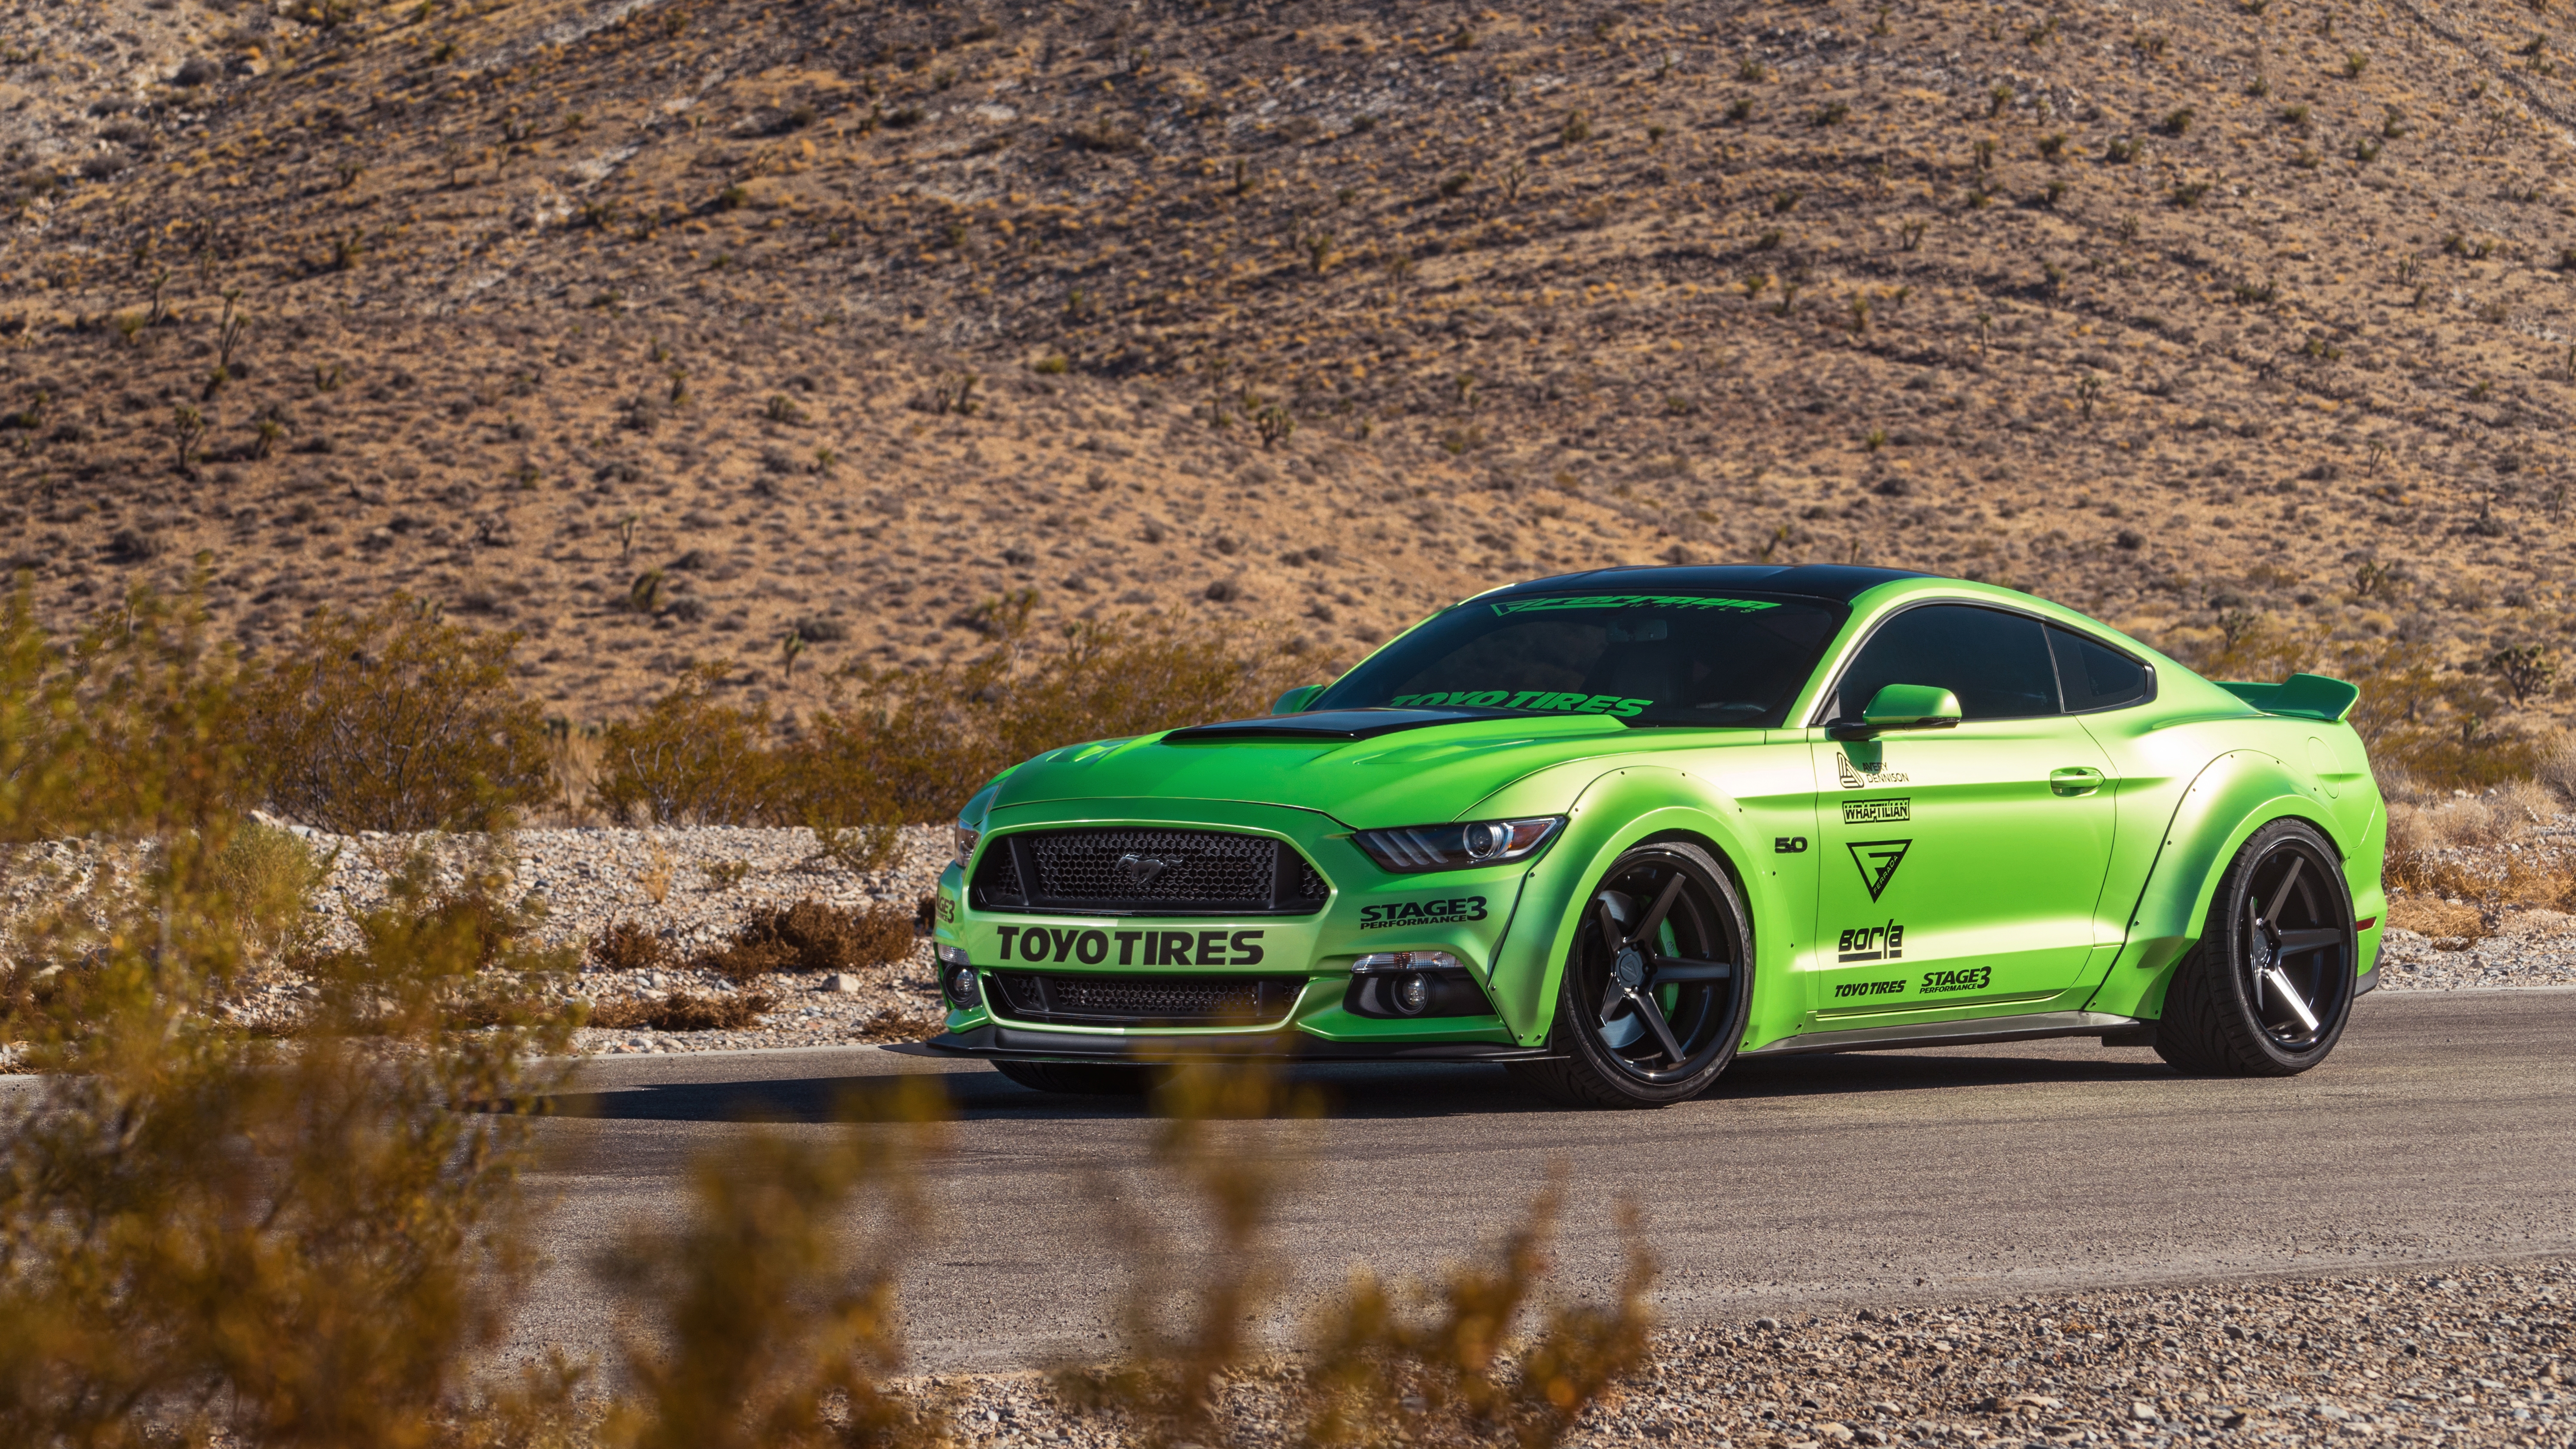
x=683, y=1011
x=626, y=946
x=811, y=936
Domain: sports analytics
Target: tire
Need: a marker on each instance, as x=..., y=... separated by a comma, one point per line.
x=1080, y=1079
x=1662, y=959
x=2269, y=988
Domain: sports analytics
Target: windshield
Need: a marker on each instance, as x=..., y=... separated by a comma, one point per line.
x=1649, y=659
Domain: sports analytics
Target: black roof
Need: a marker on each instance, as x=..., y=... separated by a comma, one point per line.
x=1839, y=582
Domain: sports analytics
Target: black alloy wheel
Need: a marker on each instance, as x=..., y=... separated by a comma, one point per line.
x=2270, y=986
x=1656, y=989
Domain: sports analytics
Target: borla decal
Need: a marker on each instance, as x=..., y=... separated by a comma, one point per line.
x=1878, y=860
x=1872, y=943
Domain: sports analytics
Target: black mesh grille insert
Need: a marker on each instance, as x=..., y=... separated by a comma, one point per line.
x=1147, y=1000
x=1148, y=873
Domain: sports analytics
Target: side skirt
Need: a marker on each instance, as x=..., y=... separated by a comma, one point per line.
x=1954, y=1033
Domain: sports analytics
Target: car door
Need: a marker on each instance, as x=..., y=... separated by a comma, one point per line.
x=1962, y=867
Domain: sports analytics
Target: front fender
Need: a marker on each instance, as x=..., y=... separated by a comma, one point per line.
x=2233, y=796
x=1615, y=811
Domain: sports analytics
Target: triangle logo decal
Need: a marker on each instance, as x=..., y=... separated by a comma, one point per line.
x=1878, y=860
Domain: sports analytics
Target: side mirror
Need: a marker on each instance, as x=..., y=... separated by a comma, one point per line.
x=1902, y=707
x=1296, y=700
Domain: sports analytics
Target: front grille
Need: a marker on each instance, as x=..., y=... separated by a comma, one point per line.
x=1147, y=1000
x=1147, y=873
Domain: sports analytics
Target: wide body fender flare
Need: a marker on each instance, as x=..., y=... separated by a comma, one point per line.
x=1619, y=809
x=2234, y=795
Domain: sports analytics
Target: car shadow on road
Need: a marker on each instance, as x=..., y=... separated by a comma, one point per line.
x=1347, y=1091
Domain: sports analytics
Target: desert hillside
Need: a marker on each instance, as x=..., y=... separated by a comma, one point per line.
x=662, y=330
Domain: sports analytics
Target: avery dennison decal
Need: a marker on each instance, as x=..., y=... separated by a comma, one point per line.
x=1878, y=860
x=1876, y=812
x=1132, y=948
x=1855, y=778
x=1423, y=913
x=1626, y=601
x=1972, y=978
x=1871, y=943
x=1560, y=702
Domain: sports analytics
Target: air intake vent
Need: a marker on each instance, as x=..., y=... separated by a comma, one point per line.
x=1147, y=1000
x=1147, y=873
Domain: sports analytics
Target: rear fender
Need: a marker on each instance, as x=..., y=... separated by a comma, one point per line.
x=1614, y=812
x=2234, y=796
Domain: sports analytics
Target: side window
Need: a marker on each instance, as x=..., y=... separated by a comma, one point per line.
x=1996, y=663
x=2095, y=677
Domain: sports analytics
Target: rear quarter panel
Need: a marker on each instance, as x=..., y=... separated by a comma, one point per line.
x=2197, y=777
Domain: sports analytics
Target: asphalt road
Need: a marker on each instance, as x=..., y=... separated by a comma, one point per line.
x=2443, y=1130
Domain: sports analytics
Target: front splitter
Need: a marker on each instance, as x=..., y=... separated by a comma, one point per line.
x=1023, y=1044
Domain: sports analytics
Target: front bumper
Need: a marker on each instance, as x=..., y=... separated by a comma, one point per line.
x=1467, y=913
x=996, y=1041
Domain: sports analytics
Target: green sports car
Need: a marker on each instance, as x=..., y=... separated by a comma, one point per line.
x=1616, y=829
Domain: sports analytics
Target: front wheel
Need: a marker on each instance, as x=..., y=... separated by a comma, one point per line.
x=1656, y=989
x=2268, y=989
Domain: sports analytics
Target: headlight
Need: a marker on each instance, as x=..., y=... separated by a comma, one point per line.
x=1411, y=848
x=967, y=835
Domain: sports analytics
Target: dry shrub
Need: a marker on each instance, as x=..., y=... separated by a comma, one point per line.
x=2525, y=804
x=395, y=720
x=658, y=871
x=683, y=1011
x=1424, y=1368
x=764, y=1323
x=2435, y=917
x=131, y=729
x=199, y=1232
x=270, y=876
x=813, y=936
x=2554, y=763
x=1408, y=1366
x=860, y=849
x=1182, y=1339
x=2447, y=727
x=909, y=745
x=626, y=946
x=689, y=758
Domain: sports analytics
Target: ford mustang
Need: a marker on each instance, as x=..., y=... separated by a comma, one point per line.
x=1616, y=829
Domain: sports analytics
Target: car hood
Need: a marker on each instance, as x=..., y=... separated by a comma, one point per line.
x=1367, y=773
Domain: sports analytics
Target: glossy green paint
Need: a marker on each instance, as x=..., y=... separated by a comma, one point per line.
x=2020, y=865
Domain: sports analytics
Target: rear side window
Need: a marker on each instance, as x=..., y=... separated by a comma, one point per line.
x=1996, y=663
x=2096, y=677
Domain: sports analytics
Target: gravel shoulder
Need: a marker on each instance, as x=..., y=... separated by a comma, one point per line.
x=693, y=886
x=2465, y=1355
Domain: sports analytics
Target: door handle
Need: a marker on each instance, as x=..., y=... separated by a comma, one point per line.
x=2075, y=780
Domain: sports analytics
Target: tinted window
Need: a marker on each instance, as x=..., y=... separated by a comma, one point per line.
x=1997, y=663
x=1694, y=659
x=2095, y=677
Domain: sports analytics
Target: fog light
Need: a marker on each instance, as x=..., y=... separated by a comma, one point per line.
x=957, y=978
x=1390, y=963
x=1412, y=993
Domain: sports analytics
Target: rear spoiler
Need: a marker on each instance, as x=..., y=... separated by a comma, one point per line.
x=2305, y=696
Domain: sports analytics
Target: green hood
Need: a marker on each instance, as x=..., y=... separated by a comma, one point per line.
x=1408, y=777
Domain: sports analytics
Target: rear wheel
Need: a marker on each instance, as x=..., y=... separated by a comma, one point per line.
x=1654, y=994
x=1080, y=1079
x=2268, y=989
